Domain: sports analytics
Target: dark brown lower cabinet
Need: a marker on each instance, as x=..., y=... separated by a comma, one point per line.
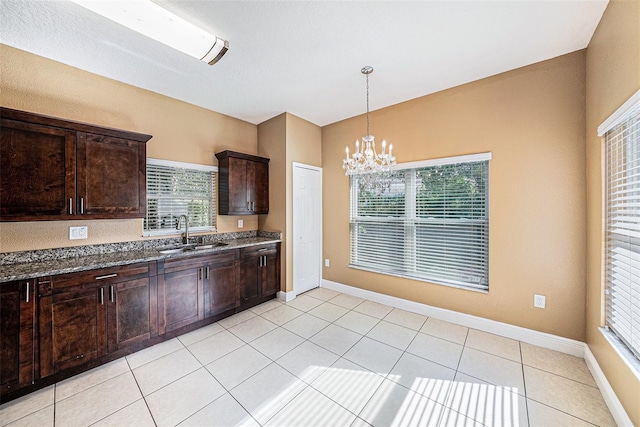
x=60, y=325
x=84, y=316
x=221, y=292
x=259, y=272
x=18, y=343
x=131, y=312
x=180, y=291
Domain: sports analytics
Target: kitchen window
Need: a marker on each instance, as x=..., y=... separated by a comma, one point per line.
x=431, y=222
x=622, y=233
x=176, y=188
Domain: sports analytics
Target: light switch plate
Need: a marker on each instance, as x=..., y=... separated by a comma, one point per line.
x=240, y=223
x=326, y=262
x=76, y=233
x=539, y=301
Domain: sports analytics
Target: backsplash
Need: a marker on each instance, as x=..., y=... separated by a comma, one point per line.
x=138, y=245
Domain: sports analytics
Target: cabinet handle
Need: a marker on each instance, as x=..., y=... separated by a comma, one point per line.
x=200, y=274
x=27, y=297
x=262, y=250
x=101, y=296
x=248, y=206
x=70, y=206
x=108, y=276
x=265, y=261
x=82, y=205
x=253, y=206
x=207, y=272
x=112, y=294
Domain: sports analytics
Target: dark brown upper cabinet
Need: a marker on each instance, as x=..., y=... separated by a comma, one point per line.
x=55, y=169
x=243, y=184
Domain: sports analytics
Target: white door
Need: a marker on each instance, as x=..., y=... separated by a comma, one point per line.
x=307, y=227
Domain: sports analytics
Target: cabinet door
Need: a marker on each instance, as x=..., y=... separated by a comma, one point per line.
x=111, y=176
x=249, y=278
x=221, y=292
x=259, y=188
x=78, y=325
x=238, y=192
x=179, y=293
x=270, y=273
x=17, y=335
x=129, y=313
x=37, y=171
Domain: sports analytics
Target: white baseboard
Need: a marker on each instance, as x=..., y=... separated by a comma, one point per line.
x=286, y=296
x=542, y=339
x=613, y=403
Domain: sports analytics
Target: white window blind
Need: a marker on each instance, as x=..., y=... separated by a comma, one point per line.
x=174, y=189
x=431, y=224
x=623, y=228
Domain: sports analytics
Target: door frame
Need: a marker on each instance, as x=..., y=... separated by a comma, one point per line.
x=293, y=214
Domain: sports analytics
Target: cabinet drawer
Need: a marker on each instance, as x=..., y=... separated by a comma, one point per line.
x=103, y=275
x=196, y=261
x=260, y=250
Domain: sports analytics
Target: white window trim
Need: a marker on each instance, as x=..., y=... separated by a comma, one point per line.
x=181, y=165
x=468, y=158
x=620, y=115
x=416, y=165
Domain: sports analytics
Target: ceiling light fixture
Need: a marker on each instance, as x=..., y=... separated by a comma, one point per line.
x=365, y=160
x=148, y=18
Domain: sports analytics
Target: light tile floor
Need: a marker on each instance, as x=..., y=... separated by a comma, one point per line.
x=325, y=359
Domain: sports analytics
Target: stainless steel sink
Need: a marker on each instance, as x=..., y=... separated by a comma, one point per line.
x=191, y=247
x=172, y=251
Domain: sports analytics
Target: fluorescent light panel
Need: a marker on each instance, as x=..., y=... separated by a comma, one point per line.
x=148, y=18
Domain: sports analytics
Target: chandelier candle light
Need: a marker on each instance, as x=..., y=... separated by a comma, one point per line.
x=365, y=160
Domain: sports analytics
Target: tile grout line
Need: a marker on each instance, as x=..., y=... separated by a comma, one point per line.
x=141, y=393
x=524, y=383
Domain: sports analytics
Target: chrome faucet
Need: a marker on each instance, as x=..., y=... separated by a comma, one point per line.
x=185, y=236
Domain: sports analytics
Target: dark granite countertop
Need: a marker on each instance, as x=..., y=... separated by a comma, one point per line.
x=39, y=268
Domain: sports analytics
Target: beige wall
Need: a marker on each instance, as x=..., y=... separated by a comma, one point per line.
x=613, y=75
x=181, y=132
x=286, y=139
x=532, y=120
x=304, y=145
x=272, y=143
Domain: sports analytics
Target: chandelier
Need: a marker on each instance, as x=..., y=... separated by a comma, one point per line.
x=365, y=160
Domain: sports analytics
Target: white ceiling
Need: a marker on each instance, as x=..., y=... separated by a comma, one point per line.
x=305, y=57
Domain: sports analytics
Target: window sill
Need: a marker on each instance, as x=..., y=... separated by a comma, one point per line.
x=406, y=276
x=625, y=354
x=174, y=232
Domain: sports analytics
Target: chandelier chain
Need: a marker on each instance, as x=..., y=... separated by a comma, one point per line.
x=368, y=133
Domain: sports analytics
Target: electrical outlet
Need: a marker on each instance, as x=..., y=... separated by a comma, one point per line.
x=539, y=301
x=76, y=233
x=326, y=262
x=240, y=223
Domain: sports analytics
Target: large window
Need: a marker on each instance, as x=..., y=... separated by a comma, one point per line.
x=175, y=189
x=431, y=222
x=623, y=226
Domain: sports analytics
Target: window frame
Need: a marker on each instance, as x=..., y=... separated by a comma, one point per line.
x=614, y=239
x=213, y=200
x=411, y=222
